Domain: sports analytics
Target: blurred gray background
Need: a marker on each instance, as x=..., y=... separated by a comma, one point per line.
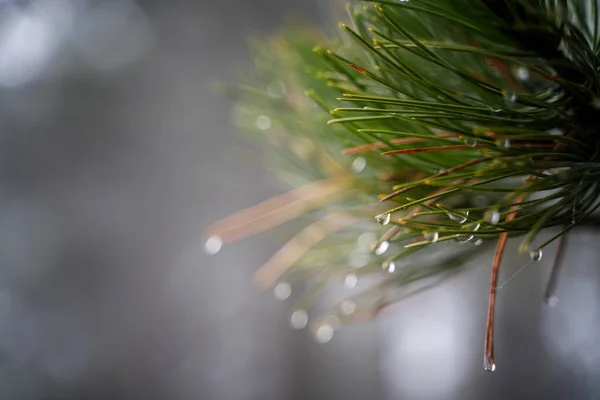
x=115, y=154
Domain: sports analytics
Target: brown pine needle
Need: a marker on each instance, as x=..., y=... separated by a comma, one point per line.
x=429, y=149
x=294, y=249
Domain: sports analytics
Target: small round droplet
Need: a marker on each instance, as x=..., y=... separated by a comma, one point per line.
x=299, y=319
x=282, y=291
x=553, y=301
x=522, y=73
x=503, y=143
x=469, y=141
x=384, y=219
x=509, y=97
x=348, y=307
x=350, y=281
x=492, y=216
x=213, y=245
x=431, y=236
x=324, y=333
x=382, y=247
x=536, y=255
x=389, y=267
x=489, y=366
x=359, y=164
x=263, y=122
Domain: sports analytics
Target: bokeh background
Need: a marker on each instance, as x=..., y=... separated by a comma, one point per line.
x=115, y=153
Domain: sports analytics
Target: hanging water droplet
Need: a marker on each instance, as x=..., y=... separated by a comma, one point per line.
x=503, y=143
x=383, y=219
x=536, y=255
x=299, y=319
x=472, y=227
x=350, y=281
x=282, y=291
x=522, y=73
x=213, y=245
x=509, y=97
x=553, y=301
x=469, y=141
x=431, y=236
x=324, y=333
x=489, y=365
x=359, y=164
x=492, y=216
x=382, y=247
x=263, y=122
x=389, y=266
x=348, y=307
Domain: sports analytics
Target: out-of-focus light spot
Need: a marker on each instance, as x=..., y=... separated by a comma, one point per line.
x=324, y=333
x=111, y=35
x=282, y=291
x=299, y=319
x=553, y=301
x=350, y=281
x=359, y=164
x=213, y=245
x=348, y=307
x=29, y=39
x=263, y=122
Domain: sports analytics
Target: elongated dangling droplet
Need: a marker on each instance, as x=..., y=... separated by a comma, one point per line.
x=492, y=216
x=488, y=364
x=382, y=247
x=431, y=236
x=384, y=219
x=389, y=266
x=536, y=255
x=299, y=319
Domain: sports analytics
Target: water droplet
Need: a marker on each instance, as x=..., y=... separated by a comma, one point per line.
x=324, y=333
x=431, y=236
x=469, y=141
x=464, y=239
x=458, y=218
x=389, y=266
x=213, y=245
x=536, y=255
x=553, y=301
x=383, y=219
x=472, y=227
x=503, y=143
x=359, y=164
x=495, y=109
x=350, y=281
x=382, y=247
x=492, y=216
x=522, y=73
x=555, y=132
x=348, y=307
x=478, y=242
x=489, y=365
x=263, y=122
x=282, y=291
x=509, y=97
x=299, y=319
